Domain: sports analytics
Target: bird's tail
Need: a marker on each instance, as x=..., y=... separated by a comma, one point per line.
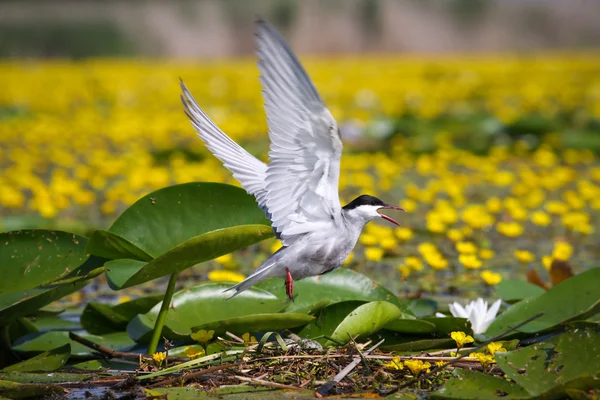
x=262, y=273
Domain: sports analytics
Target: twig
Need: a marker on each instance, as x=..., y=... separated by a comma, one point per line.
x=234, y=337
x=108, y=353
x=328, y=386
x=259, y=382
x=192, y=375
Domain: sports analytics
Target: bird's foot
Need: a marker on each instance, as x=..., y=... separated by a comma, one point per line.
x=289, y=284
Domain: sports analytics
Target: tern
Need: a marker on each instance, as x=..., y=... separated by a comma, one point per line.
x=298, y=189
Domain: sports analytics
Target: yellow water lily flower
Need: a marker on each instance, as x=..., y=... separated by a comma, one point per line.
x=491, y=278
x=417, y=366
x=494, y=347
x=461, y=338
x=395, y=364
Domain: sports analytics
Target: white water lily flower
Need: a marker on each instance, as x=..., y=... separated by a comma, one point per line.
x=477, y=313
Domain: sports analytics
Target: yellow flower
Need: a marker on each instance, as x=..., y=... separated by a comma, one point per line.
x=470, y=261
x=409, y=205
x=275, y=246
x=227, y=261
x=368, y=239
x=404, y=270
x=220, y=275
x=461, y=338
x=395, y=364
x=466, y=248
x=373, y=253
x=484, y=359
x=414, y=263
x=524, y=256
x=435, y=225
x=556, y=207
x=494, y=347
x=203, y=336
x=416, y=366
x=486, y=254
x=491, y=278
x=193, y=351
x=436, y=261
x=349, y=258
x=510, y=229
x=494, y=205
x=158, y=358
x=540, y=218
x=547, y=261
x=439, y=363
x=454, y=234
x=404, y=234
x=248, y=339
x=562, y=251
x=388, y=243
x=426, y=247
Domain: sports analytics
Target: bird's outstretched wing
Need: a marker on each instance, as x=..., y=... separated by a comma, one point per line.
x=247, y=169
x=303, y=172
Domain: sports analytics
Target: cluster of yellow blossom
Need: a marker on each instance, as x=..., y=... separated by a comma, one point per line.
x=414, y=366
x=83, y=140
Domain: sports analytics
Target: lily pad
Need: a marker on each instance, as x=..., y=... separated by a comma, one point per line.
x=364, y=320
x=468, y=385
x=31, y=258
x=341, y=284
x=201, y=305
x=444, y=326
x=575, y=298
x=410, y=326
x=567, y=361
x=100, y=318
x=257, y=323
x=43, y=377
x=512, y=290
x=47, y=361
x=409, y=344
x=422, y=307
x=40, y=342
x=176, y=227
x=15, y=390
x=327, y=320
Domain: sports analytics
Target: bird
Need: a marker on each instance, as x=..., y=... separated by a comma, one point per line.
x=298, y=188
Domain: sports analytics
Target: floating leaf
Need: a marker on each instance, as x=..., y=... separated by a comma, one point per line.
x=201, y=305
x=422, y=307
x=341, y=284
x=574, y=298
x=446, y=325
x=44, y=324
x=14, y=390
x=468, y=385
x=327, y=320
x=176, y=227
x=43, y=377
x=39, y=342
x=411, y=326
x=511, y=290
x=409, y=344
x=364, y=320
x=560, y=271
x=567, y=361
x=45, y=362
x=31, y=258
x=534, y=278
x=257, y=323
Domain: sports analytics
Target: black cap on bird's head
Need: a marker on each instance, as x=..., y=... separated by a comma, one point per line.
x=367, y=200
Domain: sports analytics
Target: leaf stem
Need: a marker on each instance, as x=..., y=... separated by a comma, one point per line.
x=162, y=315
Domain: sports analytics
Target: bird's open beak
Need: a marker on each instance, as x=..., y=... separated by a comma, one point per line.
x=390, y=207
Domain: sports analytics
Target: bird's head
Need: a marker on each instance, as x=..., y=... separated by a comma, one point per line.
x=367, y=208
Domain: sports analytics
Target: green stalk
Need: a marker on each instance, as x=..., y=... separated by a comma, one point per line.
x=162, y=315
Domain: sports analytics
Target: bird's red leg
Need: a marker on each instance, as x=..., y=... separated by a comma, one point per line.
x=289, y=284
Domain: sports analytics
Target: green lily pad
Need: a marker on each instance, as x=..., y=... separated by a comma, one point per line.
x=44, y=324
x=201, y=305
x=567, y=361
x=422, y=307
x=31, y=258
x=468, y=385
x=409, y=345
x=410, y=326
x=43, y=377
x=574, y=298
x=124, y=273
x=20, y=304
x=100, y=318
x=176, y=227
x=257, y=323
x=39, y=342
x=341, y=284
x=365, y=320
x=327, y=319
x=45, y=362
x=15, y=390
x=511, y=290
x=444, y=326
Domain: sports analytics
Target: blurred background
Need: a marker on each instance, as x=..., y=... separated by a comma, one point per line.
x=481, y=118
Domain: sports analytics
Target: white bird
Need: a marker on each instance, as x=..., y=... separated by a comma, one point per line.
x=298, y=189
